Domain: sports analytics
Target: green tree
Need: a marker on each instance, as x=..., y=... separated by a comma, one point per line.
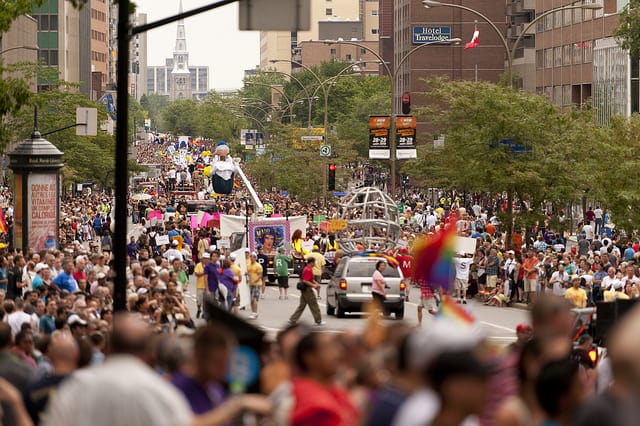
x=154, y=104
x=180, y=117
x=628, y=30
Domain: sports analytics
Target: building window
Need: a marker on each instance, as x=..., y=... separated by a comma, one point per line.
x=577, y=53
x=567, y=54
x=566, y=94
x=333, y=52
x=539, y=59
x=328, y=11
x=557, y=56
x=374, y=31
x=557, y=95
x=548, y=93
x=598, y=13
x=348, y=57
x=568, y=13
x=577, y=13
x=548, y=58
x=540, y=26
x=363, y=51
x=558, y=19
x=588, y=13
x=588, y=51
x=374, y=12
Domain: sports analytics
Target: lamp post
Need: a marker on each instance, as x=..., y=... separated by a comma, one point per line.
x=2, y=52
x=306, y=91
x=393, y=75
x=510, y=52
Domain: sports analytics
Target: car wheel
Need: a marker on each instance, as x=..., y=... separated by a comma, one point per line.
x=400, y=313
x=331, y=310
x=340, y=313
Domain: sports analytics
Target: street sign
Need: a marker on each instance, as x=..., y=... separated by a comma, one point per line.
x=275, y=15
x=86, y=121
x=325, y=151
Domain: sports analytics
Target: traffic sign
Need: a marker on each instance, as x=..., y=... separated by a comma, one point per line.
x=325, y=151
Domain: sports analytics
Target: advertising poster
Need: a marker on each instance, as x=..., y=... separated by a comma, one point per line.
x=268, y=235
x=379, y=148
x=406, y=137
x=43, y=215
x=17, y=211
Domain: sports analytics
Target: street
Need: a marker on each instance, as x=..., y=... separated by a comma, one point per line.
x=498, y=324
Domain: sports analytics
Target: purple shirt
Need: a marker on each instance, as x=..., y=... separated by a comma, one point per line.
x=211, y=270
x=227, y=277
x=202, y=398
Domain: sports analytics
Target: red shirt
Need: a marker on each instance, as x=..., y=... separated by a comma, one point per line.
x=307, y=274
x=406, y=265
x=318, y=405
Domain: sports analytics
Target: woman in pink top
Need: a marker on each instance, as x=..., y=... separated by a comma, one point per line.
x=378, y=289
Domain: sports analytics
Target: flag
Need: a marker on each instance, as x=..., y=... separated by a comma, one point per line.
x=433, y=258
x=475, y=40
x=3, y=223
x=236, y=184
x=450, y=310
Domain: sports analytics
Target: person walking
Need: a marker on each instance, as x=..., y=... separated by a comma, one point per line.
x=254, y=272
x=281, y=263
x=307, y=295
x=378, y=290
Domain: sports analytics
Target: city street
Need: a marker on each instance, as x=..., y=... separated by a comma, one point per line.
x=498, y=324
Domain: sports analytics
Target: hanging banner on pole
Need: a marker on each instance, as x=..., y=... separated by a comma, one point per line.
x=406, y=137
x=379, y=148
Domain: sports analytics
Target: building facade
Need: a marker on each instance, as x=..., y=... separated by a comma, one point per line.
x=138, y=60
x=20, y=43
x=99, y=46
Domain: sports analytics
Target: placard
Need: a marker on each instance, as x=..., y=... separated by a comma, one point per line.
x=42, y=219
x=379, y=148
x=465, y=245
x=162, y=240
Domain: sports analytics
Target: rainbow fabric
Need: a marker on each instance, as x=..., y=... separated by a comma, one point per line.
x=390, y=260
x=236, y=184
x=3, y=223
x=434, y=258
x=453, y=312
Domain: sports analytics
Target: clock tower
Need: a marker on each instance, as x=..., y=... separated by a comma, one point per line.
x=180, y=75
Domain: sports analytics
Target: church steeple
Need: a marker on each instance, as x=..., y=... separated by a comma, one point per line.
x=181, y=78
x=181, y=38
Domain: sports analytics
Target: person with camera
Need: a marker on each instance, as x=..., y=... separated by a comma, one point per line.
x=306, y=286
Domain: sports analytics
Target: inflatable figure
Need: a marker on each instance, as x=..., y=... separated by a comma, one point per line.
x=222, y=170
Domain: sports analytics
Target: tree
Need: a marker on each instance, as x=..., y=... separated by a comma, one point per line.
x=154, y=104
x=628, y=30
x=180, y=117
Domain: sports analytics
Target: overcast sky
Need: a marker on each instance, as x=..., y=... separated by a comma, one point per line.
x=213, y=39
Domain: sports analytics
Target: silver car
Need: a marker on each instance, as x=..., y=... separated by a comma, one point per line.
x=350, y=287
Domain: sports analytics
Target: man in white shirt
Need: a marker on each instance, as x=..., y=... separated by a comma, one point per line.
x=610, y=280
x=559, y=280
x=173, y=252
x=19, y=317
x=599, y=214
x=463, y=265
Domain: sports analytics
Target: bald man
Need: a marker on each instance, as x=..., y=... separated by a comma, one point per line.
x=64, y=355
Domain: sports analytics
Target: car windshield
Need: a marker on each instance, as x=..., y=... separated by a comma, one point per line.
x=366, y=269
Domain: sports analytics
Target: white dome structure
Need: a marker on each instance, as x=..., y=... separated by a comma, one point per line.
x=372, y=220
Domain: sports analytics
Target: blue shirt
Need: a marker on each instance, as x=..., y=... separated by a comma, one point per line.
x=66, y=282
x=3, y=277
x=36, y=282
x=47, y=324
x=628, y=253
x=211, y=270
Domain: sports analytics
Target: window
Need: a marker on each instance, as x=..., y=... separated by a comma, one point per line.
x=568, y=13
x=588, y=13
x=567, y=53
x=374, y=12
x=548, y=92
x=540, y=26
x=557, y=19
x=53, y=22
x=557, y=95
x=328, y=11
x=577, y=14
x=539, y=59
x=548, y=22
x=363, y=51
x=374, y=31
x=588, y=52
x=577, y=53
x=566, y=94
x=548, y=58
x=598, y=13
x=333, y=51
x=348, y=57
x=557, y=56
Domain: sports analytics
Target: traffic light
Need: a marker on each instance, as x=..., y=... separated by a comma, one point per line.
x=406, y=103
x=331, y=182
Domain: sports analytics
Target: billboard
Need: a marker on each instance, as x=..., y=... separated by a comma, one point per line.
x=251, y=138
x=304, y=138
x=43, y=210
x=430, y=34
x=406, y=137
x=379, y=148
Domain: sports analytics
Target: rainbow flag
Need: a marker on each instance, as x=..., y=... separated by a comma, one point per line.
x=390, y=260
x=236, y=184
x=3, y=223
x=434, y=258
x=450, y=310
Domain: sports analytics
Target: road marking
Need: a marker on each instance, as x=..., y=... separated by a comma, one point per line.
x=296, y=295
x=497, y=326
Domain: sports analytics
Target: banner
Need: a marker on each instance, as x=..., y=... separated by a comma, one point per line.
x=230, y=224
x=379, y=148
x=406, y=137
x=303, y=138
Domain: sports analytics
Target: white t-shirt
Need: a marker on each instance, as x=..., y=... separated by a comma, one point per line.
x=598, y=213
x=421, y=408
x=462, y=267
x=16, y=319
x=608, y=282
x=588, y=232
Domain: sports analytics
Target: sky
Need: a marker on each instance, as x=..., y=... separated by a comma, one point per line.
x=213, y=39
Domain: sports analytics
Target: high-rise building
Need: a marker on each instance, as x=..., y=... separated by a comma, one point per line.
x=20, y=43
x=99, y=46
x=329, y=20
x=138, y=60
x=64, y=39
x=519, y=14
x=176, y=78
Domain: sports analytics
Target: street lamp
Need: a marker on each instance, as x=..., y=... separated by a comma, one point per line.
x=510, y=52
x=18, y=47
x=297, y=80
x=393, y=75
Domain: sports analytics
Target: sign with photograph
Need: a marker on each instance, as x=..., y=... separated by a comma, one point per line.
x=379, y=148
x=268, y=235
x=406, y=137
x=43, y=211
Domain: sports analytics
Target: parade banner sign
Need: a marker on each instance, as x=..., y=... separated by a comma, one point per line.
x=379, y=148
x=43, y=217
x=406, y=137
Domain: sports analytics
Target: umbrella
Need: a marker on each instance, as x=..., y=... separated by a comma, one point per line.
x=141, y=197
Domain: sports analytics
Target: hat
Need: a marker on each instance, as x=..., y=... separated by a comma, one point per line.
x=206, y=255
x=3, y=245
x=523, y=328
x=212, y=248
x=281, y=249
x=142, y=290
x=101, y=276
x=247, y=250
x=222, y=257
x=575, y=277
x=174, y=243
x=254, y=254
x=511, y=252
x=41, y=266
x=232, y=256
x=75, y=319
